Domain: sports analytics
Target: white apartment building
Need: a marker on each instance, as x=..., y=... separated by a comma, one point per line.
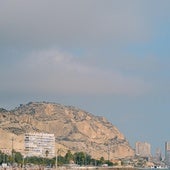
x=40, y=145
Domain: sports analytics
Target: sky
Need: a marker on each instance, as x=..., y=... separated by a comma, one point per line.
x=110, y=58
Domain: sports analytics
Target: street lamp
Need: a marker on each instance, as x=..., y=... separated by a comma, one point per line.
x=12, y=151
x=56, y=161
x=23, y=161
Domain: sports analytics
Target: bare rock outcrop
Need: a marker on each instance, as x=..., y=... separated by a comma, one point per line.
x=74, y=129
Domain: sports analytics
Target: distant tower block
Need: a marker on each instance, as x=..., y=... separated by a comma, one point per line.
x=143, y=149
x=167, y=153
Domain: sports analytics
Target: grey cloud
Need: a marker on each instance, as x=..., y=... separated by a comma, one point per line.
x=52, y=71
x=70, y=22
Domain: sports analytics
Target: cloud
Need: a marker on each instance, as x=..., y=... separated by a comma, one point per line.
x=53, y=71
x=85, y=23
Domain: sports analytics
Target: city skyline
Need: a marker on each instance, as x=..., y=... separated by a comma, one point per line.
x=108, y=58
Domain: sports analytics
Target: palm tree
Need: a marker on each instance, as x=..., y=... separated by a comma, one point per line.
x=46, y=153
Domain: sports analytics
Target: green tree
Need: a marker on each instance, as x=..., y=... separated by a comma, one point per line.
x=68, y=157
x=80, y=158
x=1, y=157
x=88, y=159
x=46, y=153
x=102, y=160
x=109, y=163
x=61, y=160
x=18, y=157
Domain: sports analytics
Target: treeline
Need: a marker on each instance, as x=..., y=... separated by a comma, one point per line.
x=79, y=158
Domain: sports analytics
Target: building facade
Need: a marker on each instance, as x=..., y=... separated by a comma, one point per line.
x=143, y=149
x=158, y=155
x=167, y=153
x=40, y=145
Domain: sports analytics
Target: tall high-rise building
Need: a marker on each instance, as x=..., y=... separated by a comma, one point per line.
x=167, y=153
x=158, y=155
x=143, y=149
x=40, y=144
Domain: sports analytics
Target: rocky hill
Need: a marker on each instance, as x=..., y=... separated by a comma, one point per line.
x=74, y=130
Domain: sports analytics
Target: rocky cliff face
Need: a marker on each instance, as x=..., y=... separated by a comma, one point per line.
x=74, y=129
